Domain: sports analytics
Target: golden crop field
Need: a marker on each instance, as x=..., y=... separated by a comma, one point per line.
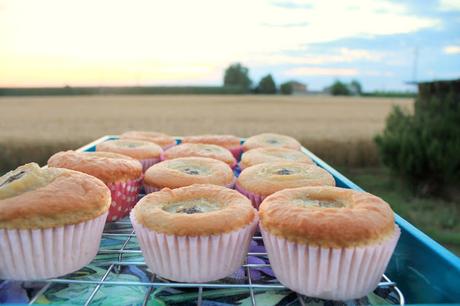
x=340, y=130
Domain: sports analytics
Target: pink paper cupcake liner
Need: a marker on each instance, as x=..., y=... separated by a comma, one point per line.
x=329, y=273
x=147, y=163
x=255, y=198
x=46, y=253
x=149, y=189
x=124, y=197
x=237, y=152
x=194, y=258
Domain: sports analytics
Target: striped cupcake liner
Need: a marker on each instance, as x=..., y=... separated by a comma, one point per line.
x=124, y=197
x=149, y=162
x=34, y=254
x=194, y=258
x=329, y=273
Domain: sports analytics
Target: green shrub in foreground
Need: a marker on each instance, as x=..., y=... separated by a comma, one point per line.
x=425, y=147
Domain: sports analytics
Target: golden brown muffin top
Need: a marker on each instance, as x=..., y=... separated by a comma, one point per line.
x=327, y=217
x=106, y=166
x=185, y=171
x=160, y=139
x=271, y=140
x=196, y=210
x=201, y=150
x=226, y=141
x=136, y=149
x=267, y=178
x=272, y=154
x=35, y=198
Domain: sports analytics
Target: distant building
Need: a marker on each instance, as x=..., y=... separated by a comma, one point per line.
x=298, y=88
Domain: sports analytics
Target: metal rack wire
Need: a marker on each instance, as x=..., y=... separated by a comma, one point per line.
x=127, y=248
x=122, y=230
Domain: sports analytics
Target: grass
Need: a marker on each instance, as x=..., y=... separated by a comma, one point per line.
x=436, y=217
x=339, y=129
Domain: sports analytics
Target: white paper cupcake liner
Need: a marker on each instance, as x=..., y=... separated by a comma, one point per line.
x=147, y=163
x=47, y=253
x=328, y=273
x=194, y=258
x=150, y=189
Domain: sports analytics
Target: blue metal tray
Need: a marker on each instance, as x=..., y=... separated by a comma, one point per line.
x=425, y=271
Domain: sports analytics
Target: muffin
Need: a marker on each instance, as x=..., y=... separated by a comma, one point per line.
x=197, y=233
x=201, y=150
x=51, y=221
x=185, y=171
x=148, y=153
x=230, y=142
x=271, y=140
x=259, y=181
x=272, y=154
x=121, y=173
x=163, y=140
x=328, y=242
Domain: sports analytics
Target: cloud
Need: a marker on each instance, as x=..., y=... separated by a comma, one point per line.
x=320, y=71
x=449, y=5
x=341, y=55
x=451, y=50
x=334, y=72
x=162, y=34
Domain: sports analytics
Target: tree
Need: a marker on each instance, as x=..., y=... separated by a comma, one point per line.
x=237, y=75
x=356, y=88
x=267, y=85
x=339, y=89
x=424, y=146
x=286, y=88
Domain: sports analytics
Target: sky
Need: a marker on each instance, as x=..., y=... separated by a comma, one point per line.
x=383, y=44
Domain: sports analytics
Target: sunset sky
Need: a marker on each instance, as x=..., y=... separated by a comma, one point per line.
x=76, y=43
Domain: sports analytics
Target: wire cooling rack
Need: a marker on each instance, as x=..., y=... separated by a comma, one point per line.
x=119, y=250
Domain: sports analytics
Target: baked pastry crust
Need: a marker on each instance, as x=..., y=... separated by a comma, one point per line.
x=136, y=149
x=226, y=141
x=271, y=140
x=267, y=178
x=364, y=218
x=185, y=171
x=272, y=154
x=235, y=211
x=106, y=166
x=160, y=139
x=201, y=150
x=50, y=197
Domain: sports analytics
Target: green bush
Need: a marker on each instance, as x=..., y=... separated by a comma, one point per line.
x=340, y=89
x=286, y=88
x=237, y=75
x=424, y=147
x=266, y=85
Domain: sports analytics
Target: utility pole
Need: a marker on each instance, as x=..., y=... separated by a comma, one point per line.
x=415, y=64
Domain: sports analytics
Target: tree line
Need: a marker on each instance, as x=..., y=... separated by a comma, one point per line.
x=237, y=75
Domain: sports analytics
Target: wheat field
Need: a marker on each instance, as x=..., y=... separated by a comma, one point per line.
x=340, y=130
